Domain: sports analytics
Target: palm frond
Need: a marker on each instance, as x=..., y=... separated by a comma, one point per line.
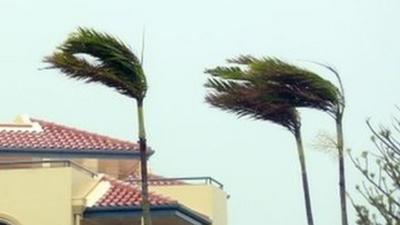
x=242, y=60
x=227, y=72
x=244, y=102
x=342, y=99
x=301, y=87
x=282, y=82
x=81, y=69
x=113, y=57
x=269, y=89
x=223, y=85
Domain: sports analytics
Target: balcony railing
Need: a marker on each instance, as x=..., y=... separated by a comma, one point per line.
x=67, y=163
x=186, y=180
x=45, y=164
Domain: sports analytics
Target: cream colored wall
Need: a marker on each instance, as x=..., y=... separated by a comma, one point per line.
x=82, y=183
x=91, y=164
x=37, y=196
x=206, y=199
x=42, y=196
x=127, y=166
x=114, y=167
x=17, y=158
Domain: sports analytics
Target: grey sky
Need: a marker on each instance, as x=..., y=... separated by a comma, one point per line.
x=256, y=161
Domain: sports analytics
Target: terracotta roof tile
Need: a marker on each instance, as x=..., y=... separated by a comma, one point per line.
x=58, y=137
x=124, y=194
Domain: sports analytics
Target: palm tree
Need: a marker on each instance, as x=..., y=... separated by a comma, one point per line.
x=244, y=98
x=92, y=56
x=338, y=117
x=322, y=95
x=303, y=88
x=299, y=88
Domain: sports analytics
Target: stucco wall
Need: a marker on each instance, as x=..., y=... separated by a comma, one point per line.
x=206, y=199
x=40, y=196
x=116, y=168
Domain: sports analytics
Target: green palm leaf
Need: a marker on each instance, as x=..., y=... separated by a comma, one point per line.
x=247, y=101
x=282, y=82
x=114, y=64
x=270, y=89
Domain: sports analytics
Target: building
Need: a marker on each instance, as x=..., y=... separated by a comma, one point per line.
x=56, y=175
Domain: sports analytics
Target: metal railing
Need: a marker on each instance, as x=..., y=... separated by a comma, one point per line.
x=68, y=163
x=45, y=164
x=187, y=180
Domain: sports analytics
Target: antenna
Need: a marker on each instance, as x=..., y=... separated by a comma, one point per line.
x=143, y=42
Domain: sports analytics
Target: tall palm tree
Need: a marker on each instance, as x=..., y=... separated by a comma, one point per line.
x=303, y=88
x=298, y=87
x=338, y=117
x=92, y=56
x=322, y=95
x=246, y=99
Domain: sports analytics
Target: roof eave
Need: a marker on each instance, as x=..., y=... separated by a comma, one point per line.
x=160, y=210
x=72, y=153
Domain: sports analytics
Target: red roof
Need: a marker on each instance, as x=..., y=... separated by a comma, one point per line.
x=53, y=137
x=124, y=194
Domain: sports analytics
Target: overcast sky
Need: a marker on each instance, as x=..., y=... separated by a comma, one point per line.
x=256, y=161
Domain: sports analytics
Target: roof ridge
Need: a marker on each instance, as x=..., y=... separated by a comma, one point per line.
x=92, y=133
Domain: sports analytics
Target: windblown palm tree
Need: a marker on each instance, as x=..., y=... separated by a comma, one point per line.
x=299, y=88
x=303, y=88
x=244, y=98
x=338, y=117
x=99, y=57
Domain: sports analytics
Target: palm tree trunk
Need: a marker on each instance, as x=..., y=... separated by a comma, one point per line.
x=306, y=189
x=342, y=180
x=143, y=165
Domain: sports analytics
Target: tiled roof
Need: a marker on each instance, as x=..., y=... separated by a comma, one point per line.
x=121, y=194
x=154, y=180
x=46, y=136
x=124, y=194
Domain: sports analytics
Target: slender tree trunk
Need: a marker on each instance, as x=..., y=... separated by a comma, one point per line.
x=306, y=188
x=143, y=165
x=342, y=180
